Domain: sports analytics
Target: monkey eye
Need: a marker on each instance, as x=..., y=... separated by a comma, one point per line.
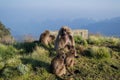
x=63, y=57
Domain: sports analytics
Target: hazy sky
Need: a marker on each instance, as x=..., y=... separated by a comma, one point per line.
x=59, y=8
x=13, y=13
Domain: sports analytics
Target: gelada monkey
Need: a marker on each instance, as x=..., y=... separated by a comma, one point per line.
x=57, y=64
x=64, y=38
x=46, y=38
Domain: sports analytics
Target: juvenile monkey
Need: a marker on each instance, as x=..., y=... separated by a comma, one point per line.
x=70, y=56
x=58, y=66
x=64, y=38
x=46, y=38
x=70, y=59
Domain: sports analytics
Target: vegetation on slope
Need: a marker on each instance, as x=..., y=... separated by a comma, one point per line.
x=3, y=30
x=5, y=35
x=99, y=59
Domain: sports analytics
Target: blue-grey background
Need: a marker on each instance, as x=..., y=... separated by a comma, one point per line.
x=35, y=16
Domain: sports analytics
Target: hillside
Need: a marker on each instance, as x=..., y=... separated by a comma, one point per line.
x=99, y=59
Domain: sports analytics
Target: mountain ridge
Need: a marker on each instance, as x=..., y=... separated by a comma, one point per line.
x=107, y=27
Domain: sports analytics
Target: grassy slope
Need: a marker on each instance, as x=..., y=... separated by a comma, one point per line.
x=99, y=59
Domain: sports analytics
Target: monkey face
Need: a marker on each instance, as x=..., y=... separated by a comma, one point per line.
x=64, y=31
x=61, y=56
x=73, y=52
x=61, y=53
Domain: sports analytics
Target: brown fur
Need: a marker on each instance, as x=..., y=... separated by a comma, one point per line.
x=46, y=38
x=64, y=38
x=70, y=56
x=70, y=60
x=58, y=66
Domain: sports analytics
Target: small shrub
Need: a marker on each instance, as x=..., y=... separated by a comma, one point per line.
x=7, y=51
x=26, y=47
x=40, y=51
x=99, y=52
x=41, y=54
x=85, y=43
x=23, y=69
x=118, y=45
x=78, y=39
x=13, y=62
x=94, y=40
x=103, y=52
x=80, y=49
x=9, y=72
x=2, y=64
x=113, y=41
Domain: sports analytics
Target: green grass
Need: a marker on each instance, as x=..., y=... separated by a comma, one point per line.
x=7, y=51
x=98, y=60
x=98, y=52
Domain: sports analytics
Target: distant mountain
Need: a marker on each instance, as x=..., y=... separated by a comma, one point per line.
x=75, y=23
x=108, y=27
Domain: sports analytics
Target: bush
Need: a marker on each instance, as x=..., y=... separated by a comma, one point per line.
x=118, y=45
x=78, y=39
x=41, y=54
x=9, y=72
x=94, y=40
x=99, y=52
x=104, y=41
x=7, y=51
x=113, y=41
x=85, y=43
x=13, y=62
x=2, y=64
x=26, y=47
x=23, y=69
